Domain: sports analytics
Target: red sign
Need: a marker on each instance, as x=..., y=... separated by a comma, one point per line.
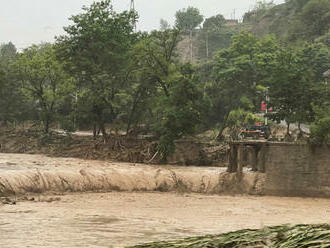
x=264, y=107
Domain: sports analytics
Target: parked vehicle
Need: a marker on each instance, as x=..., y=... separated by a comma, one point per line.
x=256, y=131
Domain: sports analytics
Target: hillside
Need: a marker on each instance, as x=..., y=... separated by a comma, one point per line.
x=276, y=20
x=294, y=20
x=213, y=41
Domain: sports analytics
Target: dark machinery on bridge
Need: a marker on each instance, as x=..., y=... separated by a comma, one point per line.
x=256, y=131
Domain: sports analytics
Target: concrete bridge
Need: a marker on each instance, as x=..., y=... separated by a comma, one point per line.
x=250, y=153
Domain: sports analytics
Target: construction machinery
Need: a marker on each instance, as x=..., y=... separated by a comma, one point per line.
x=256, y=131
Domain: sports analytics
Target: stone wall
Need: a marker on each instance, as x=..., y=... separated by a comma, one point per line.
x=297, y=170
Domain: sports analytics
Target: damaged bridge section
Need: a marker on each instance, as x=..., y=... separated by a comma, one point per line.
x=247, y=154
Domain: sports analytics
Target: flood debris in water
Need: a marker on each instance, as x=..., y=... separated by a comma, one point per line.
x=274, y=237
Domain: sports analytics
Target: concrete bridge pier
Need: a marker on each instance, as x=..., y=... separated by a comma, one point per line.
x=243, y=154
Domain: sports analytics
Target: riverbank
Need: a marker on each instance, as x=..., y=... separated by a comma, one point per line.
x=121, y=148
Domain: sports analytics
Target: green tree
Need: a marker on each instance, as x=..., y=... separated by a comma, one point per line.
x=156, y=56
x=95, y=49
x=312, y=22
x=239, y=118
x=187, y=20
x=14, y=107
x=320, y=128
x=237, y=73
x=295, y=80
x=211, y=27
x=289, y=88
x=179, y=114
x=164, y=25
x=214, y=23
x=260, y=9
x=325, y=39
x=8, y=53
x=165, y=91
x=43, y=80
x=10, y=98
x=298, y=3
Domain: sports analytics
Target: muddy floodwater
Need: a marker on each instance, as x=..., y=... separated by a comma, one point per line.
x=119, y=219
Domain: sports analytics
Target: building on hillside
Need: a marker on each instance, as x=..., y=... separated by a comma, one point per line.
x=326, y=74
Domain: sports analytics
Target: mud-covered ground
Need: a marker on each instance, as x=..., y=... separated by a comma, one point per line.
x=120, y=219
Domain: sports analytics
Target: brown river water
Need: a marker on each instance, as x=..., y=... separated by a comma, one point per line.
x=119, y=219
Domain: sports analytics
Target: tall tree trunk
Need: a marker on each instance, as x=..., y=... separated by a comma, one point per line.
x=191, y=45
x=94, y=130
x=103, y=131
x=222, y=128
x=100, y=122
x=46, y=124
x=207, y=45
x=130, y=118
x=288, y=128
x=300, y=134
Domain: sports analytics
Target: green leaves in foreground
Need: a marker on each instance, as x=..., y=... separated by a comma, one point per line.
x=301, y=236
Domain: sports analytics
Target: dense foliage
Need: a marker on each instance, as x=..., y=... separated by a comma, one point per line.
x=104, y=76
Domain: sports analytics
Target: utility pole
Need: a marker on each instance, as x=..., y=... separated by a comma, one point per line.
x=132, y=8
x=191, y=45
x=207, y=44
x=267, y=100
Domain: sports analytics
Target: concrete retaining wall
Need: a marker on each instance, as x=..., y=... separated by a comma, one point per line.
x=290, y=169
x=297, y=170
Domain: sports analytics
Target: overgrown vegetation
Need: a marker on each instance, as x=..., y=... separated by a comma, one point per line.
x=104, y=76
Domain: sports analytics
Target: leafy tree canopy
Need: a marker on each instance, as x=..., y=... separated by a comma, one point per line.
x=312, y=22
x=214, y=23
x=43, y=80
x=188, y=19
x=95, y=48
